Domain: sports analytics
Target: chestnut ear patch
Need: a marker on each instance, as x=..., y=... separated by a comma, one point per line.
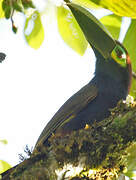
x=2, y=56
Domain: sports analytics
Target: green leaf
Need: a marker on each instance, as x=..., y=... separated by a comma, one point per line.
x=17, y=6
x=30, y=4
x=33, y=30
x=7, y=8
x=4, y=166
x=94, y=31
x=70, y=30
x=5, y=4
x=27, y=4
x=113, y=24
x=8, y=11
x=130, y=44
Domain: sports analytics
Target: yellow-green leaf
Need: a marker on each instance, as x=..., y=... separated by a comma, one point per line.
x=33, y=30
x=4, y=166
x=2, y=14
x=119, y=7
x=133, y=88
x=70, y=30
x=4, y=141
x=113, y=24
x=130, y=44
x=131, y=161
x=87, y=3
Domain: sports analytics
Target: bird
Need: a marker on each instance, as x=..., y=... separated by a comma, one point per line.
x=110, y=84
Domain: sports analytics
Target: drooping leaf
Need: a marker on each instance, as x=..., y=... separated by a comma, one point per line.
x=94, y=31
x=4, y=166
x=33, y=30
x=70, y=30
x=130, y=44
x=7, y=8
x=8, y=12
x=113, y=24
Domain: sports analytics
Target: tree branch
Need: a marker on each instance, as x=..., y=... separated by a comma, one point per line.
x=102, y=146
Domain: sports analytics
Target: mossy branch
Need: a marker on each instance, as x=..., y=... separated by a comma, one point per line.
x=102, y=146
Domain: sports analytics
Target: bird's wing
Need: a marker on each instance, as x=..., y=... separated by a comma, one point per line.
x=68, y=110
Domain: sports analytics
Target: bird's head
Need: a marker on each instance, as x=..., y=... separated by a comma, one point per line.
x=112, y=57
x=122, y=58
x=117, y=65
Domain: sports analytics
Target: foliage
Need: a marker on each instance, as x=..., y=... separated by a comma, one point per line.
x=70, y=30
x=96, y=35
x=129, y=43
x=3, y=141
x=33, y=30
x=4, y=166
x=119, y=7
x=2, y=15
x=8, y=7
x=113, y=24
x=35, y=35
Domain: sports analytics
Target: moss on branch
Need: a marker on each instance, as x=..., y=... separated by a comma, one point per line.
x=101, y=147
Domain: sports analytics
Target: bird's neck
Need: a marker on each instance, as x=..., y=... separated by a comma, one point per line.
x=109, y=86
x=110, y=73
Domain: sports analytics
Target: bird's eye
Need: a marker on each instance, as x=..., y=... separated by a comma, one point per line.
x=119, y=55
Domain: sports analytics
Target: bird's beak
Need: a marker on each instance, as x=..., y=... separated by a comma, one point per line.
x=94, y=31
